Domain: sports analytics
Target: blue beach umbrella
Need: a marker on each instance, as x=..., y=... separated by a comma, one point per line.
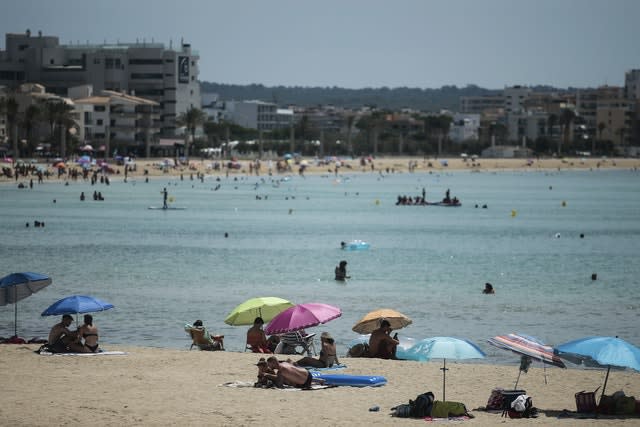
x=76, y=304
x=18, y=286
x=444, y=348
x=601, y=352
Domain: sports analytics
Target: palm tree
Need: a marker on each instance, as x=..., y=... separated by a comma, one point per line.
x=601, y=127
x=9, y=107
x=191, y=119
x=350, y=120
x=566, y=119
x=30, y=118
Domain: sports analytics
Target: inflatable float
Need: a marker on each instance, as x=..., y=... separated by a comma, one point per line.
x=351, y=380
x=354, y=245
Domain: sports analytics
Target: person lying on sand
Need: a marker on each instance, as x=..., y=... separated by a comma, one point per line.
x=289, y=374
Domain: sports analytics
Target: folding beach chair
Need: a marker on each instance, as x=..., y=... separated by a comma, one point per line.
x=201, y=339
x=296, y=343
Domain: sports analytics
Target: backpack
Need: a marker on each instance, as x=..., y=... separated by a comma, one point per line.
x=421, y=406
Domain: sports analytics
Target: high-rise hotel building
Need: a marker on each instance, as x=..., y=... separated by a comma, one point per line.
x=147, y=70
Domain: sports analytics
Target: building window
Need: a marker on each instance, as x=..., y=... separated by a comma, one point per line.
x=99, y=122
x=99, y=108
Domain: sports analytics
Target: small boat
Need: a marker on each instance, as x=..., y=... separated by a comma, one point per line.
x=451, y=203
x=355, y=245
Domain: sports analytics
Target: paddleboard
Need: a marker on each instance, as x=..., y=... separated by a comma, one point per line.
x=351, y=380
x=170, y=208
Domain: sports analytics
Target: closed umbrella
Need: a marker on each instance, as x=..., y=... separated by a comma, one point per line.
x=602, y=352
x=18, y=286
x=444, y=348
x=265, y=307
x=302, y=316
x=528, y=347
x=371, y=321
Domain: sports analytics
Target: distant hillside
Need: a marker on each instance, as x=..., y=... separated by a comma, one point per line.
x=447, y=97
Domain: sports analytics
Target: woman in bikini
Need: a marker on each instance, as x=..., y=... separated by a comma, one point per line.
x=89, y=332
x=328, y=356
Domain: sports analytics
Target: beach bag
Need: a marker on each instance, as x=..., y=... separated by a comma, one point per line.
x=448, y=409
x=625, y=405
x=402, y=411
x=421, y=406
x=495, y=399
x=522, y=407
x=359, y=350
x=586, y=401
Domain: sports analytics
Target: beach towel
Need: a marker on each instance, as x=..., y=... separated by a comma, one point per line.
x=330, y=368
x=249, y=384
x=460, y=418
x=101, y=353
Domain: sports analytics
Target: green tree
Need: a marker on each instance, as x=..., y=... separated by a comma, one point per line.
x=601, y=127
x=30, y=119
x=567, y=116
x=191, y=119
x=9, y=107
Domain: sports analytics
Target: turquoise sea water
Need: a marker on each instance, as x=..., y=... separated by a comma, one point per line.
x=164, y=268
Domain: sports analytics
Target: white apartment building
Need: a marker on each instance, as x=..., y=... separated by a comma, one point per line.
x=632, y=84
x=149, y=70
x=253, y=114
x=514, y=98
x=118, y=123
x=464, y=127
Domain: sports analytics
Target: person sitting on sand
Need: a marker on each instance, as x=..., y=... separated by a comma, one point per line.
x=289, y=374
x=328, y=356
x=62, y=340
x=341, y=271
x=203, y=339
x=89, y=332
x=256, y=337
x=381, y=345
x=488, y=289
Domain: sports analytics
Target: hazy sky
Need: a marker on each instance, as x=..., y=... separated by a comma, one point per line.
x=364, y=43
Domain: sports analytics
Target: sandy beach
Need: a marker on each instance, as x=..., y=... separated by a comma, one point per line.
x=381, y=164
x=149, y=386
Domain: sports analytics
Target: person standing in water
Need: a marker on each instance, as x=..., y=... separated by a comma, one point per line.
x=164, y=198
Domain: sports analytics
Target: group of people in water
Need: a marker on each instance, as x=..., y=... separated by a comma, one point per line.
x=420, y=200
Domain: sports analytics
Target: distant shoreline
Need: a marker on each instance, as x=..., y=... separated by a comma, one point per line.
x=380, y=165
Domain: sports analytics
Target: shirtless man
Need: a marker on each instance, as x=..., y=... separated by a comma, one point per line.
x=381, y=345
x=288, y=374
x=62, y=340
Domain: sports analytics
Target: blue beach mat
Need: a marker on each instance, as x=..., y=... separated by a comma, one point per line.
x=351, y=380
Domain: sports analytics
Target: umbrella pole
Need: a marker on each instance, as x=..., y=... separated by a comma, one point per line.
x=444, y=378
x=15, y=312
x=515, y=387
x=605, y=382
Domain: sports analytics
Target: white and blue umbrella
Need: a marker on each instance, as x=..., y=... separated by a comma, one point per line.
x=77, y=304
x=18, y=286
x=602, y=352
x=444, y=348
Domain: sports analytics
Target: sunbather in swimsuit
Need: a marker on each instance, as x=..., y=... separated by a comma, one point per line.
x=90, y=334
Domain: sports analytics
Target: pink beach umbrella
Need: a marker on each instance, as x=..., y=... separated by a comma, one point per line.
x=302, y=316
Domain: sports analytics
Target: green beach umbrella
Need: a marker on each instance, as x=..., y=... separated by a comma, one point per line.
x=265, y=307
